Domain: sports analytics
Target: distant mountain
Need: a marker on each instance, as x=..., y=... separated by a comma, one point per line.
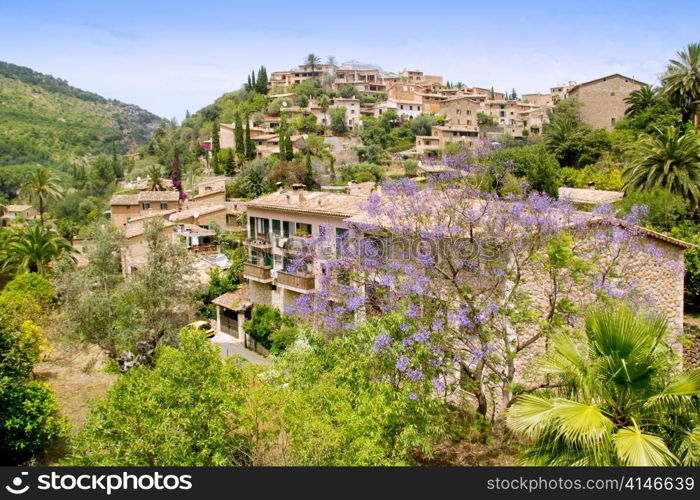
x=45, y=120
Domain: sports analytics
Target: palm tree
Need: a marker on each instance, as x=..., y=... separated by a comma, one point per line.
x=669, y=159
x=640, y=99
x=155, y=179
x=681, y=83
x=33, y=248
x=41, y=186
x=313, y=60
x=324, y=103
x=615, y=403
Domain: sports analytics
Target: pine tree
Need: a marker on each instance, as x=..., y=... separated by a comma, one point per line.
x=238, y=138
x=187, y=114
x=249, y=144
x=309, y=177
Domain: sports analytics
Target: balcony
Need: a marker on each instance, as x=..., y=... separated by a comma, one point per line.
x=205, y=249
x=257, y=273
x=298, y=282
x=260, y=242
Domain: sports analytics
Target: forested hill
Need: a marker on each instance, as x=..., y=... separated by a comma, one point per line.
x=45, y=120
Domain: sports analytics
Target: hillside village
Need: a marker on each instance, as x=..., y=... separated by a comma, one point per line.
x=437, y=238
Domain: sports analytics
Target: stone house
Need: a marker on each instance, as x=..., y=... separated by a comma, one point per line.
x=125, y=207
x=603, y=100
x=272, y=220
x=11, y=212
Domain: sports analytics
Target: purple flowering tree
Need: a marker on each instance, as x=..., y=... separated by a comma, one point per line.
x=482, y=282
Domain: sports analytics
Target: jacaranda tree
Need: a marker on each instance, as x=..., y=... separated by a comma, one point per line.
x=482, y=282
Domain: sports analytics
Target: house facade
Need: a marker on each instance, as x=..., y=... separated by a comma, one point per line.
x=603, y=100
x=273, y=221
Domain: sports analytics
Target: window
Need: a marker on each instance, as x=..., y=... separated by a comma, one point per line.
x=612, y=121
x=612, y=93
x=276, y=227
x=285, y=228
x=145, y=206
x=163, y=206
x=303, y=229
x=402, y=106
x=251, y=226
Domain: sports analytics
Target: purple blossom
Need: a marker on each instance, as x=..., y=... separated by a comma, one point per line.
x=439, y=384
x=412, y=396
x=412, y=311
x=421, y=336
x=402, y=363
x=415, y=374
x=381, y=342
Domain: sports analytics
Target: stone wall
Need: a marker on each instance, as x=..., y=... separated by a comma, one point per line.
x=691, y=346
x=260, y=293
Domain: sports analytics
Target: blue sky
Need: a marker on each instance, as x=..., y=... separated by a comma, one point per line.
x=172, y=56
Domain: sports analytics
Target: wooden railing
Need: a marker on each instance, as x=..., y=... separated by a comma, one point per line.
x=296, y=280
x=256, y=272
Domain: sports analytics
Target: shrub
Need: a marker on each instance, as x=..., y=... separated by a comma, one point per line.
x=362, y=172
x=266, y=321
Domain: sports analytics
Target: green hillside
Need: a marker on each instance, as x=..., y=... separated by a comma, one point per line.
x=45, y=120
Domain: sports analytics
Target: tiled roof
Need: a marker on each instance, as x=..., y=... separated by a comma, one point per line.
x=158, y=196
x=17, y=208
x=238, y=300
x=196, y=209
x=124, y=199
x=315, y=202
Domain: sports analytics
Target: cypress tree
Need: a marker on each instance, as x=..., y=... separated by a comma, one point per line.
x=215, y=147
x=238, y=138
x=249, y=144
x=309, y=177
x=230, y=167
x=253, y=86
x=288, y=146
x=262, y=80
x=281, y=141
